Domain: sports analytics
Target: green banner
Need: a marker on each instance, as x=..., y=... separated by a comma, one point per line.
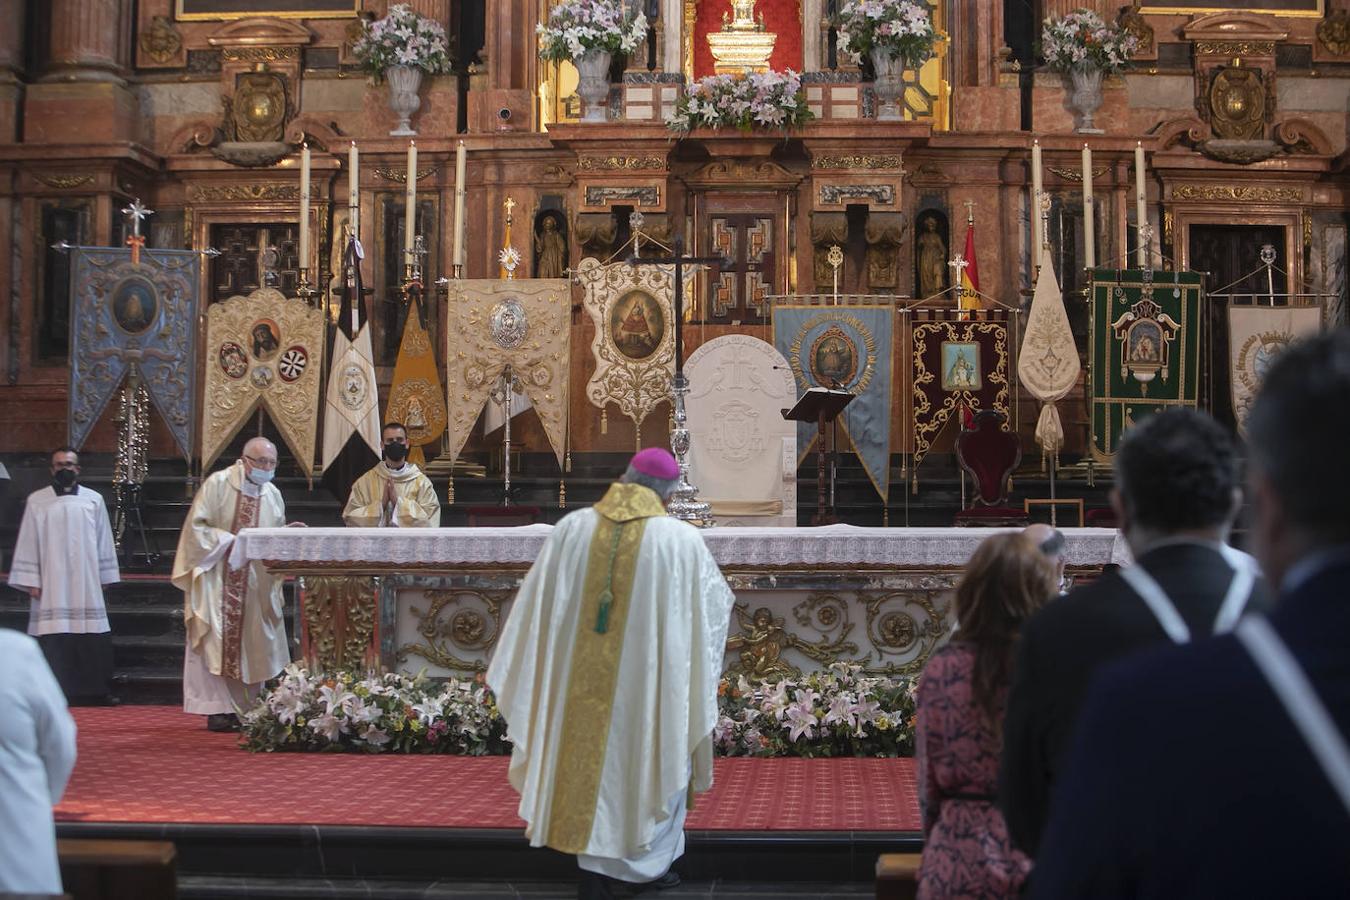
x=1145, y=348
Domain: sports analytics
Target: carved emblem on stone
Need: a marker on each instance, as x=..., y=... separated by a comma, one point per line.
x=160, y=42
x=1334, y=33
x=1237, y=104
x=257, y=112
x=508, y=324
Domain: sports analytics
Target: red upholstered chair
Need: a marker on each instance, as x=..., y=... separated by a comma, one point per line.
x=502, y=516
x=1103, y=517
x=989, y=454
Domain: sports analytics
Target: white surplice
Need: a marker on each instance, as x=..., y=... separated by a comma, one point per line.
x=417, y=505
x=665, y=697
x=228, y=650
x=37, y=754
x=65, y=548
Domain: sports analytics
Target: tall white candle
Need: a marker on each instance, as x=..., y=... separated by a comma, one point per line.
x=410, y=204
x=304, y=206
x=1140, y=205
x=354, y=191
x=1037, y=190
x=460, y=161
x=1089, y=214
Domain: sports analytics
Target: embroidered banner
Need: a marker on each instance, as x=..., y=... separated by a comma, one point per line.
x=1256, y=336
x=956, y=361
x=850, y=348
x=142, y=315
x=1145, y=348
x=265, y=350
x=495, y=323
x=1047, y=363
x=415, y=397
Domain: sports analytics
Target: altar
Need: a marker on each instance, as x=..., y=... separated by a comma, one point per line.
x=410, y=600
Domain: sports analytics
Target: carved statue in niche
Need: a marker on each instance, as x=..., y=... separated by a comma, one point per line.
x=884, y=233
x=550, y=246
x=930, y=257
x=827, y=230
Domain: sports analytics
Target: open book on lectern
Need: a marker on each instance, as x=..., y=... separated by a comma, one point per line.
x=819, y=404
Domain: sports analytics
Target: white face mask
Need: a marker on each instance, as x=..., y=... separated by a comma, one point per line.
x=260, y=476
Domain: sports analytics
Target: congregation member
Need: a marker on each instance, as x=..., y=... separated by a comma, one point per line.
x=63, y=558
x=394, y=493
x=236, y=637
x=1176, y=493
x=1221, y=769
x=1052, y=543
x=966, y=851
x=607, y=673
x=37, y=754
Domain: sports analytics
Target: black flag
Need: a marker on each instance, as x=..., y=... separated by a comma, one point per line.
x=351, y=422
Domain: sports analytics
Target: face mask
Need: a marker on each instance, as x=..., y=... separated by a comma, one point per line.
x=396, y=453
x=260, y=476
x=64, y=481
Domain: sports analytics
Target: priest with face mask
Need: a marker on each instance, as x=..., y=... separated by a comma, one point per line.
x=63, y=558
x=236, y=638
x=395, y=493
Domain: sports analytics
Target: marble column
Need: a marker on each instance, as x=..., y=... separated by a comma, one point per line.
x=11, y=63
x=812, y=57
x=85, y=37
x=672, y=17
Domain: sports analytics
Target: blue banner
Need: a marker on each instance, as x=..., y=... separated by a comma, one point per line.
x=850, y=348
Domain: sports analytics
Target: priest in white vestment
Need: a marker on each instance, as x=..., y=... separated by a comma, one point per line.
x=37, y=753
x=606, y=673
x=63, y=557
x=395, y=493
x=236, y=637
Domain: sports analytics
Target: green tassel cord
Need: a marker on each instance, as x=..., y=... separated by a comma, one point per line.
x=607, y=595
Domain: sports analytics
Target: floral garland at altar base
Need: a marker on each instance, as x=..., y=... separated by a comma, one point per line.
x=773, y=100
x=577, y=26
x=837, y=712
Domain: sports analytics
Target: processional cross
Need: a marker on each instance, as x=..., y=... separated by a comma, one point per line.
x=684, y=503
x=136, y=211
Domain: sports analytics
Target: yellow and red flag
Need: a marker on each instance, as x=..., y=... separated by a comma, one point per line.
x=969, y=297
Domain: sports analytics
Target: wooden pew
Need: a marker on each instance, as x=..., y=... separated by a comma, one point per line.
x=111, y=870
x=897, y=876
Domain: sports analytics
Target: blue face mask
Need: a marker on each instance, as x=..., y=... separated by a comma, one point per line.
x=260, y=476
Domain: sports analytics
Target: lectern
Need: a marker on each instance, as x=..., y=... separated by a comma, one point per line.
x=822, y=406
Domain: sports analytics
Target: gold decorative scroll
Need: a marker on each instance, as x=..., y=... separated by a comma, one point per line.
x=263, y=349
x=633, y=368
x=524, y=323
x=1238, y=193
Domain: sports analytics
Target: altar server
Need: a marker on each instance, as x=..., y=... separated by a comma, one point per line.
x=395, y=493
x=607, y=673
x=37, y=753
x=64, y=556
x=236, y=638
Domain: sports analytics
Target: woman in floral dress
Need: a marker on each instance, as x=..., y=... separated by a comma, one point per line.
x=967, y=852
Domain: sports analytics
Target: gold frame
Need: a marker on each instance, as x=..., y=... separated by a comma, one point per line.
x=1146, y=9
x=181, y=16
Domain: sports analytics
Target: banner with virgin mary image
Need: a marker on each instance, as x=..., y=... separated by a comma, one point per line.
x=846, y=348
x=958, y=362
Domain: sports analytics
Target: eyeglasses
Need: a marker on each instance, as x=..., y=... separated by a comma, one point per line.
x=262, y=463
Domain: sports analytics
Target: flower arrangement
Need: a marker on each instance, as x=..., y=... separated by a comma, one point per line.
x=1083, y=39
x=402, y=38
x=838, y=712
x=575, y=26
x=755, y=100
x=903, y=28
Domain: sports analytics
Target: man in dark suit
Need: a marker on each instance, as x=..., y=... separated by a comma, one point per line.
x=1176, y=493
x=1220, y=769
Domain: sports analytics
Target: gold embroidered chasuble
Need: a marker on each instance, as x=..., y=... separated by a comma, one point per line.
x=417, y=505
x=607, y=674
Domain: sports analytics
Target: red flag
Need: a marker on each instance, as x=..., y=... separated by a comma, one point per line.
x=970, y=275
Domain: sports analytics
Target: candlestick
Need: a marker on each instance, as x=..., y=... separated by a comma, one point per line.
x=410, y=204
x=304, y=207
x=1140, y=206
x=354, y=191
x=459, y=210
x=1037, y=189
x=1089, y=214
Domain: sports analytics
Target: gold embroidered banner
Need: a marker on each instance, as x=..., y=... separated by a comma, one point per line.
x=633, y=308
x=263, y=349
x=524, y=324
x=1048, y=362
x=1256, y=336
x=415, y=397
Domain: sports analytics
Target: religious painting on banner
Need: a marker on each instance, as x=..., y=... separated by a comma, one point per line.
x=1257, y=335
x=263, y=350
x=129, y=314
x=849, y=348
x=415, y=397
x=633, y=309
x=1145, y=348
x=957, y=362
x=495, y=323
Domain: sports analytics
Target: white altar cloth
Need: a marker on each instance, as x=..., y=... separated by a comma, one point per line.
x=830, y=545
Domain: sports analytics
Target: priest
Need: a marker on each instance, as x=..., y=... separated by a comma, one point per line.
x=395, y=493
x=607, y=673
x=63, y=557
x=236, y=638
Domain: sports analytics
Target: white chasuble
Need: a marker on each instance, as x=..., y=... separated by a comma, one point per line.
x=607, y=672
x=65, y=548
x=417, y=505
x=233, y=616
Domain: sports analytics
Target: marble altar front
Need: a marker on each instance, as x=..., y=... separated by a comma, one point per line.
x=435, y=599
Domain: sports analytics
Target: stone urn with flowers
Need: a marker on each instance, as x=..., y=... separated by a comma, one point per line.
x=894, y=35
x=1084, y=47
x=588, y=34
x=398, y=49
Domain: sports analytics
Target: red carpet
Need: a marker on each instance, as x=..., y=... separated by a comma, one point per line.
x=155, y=764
